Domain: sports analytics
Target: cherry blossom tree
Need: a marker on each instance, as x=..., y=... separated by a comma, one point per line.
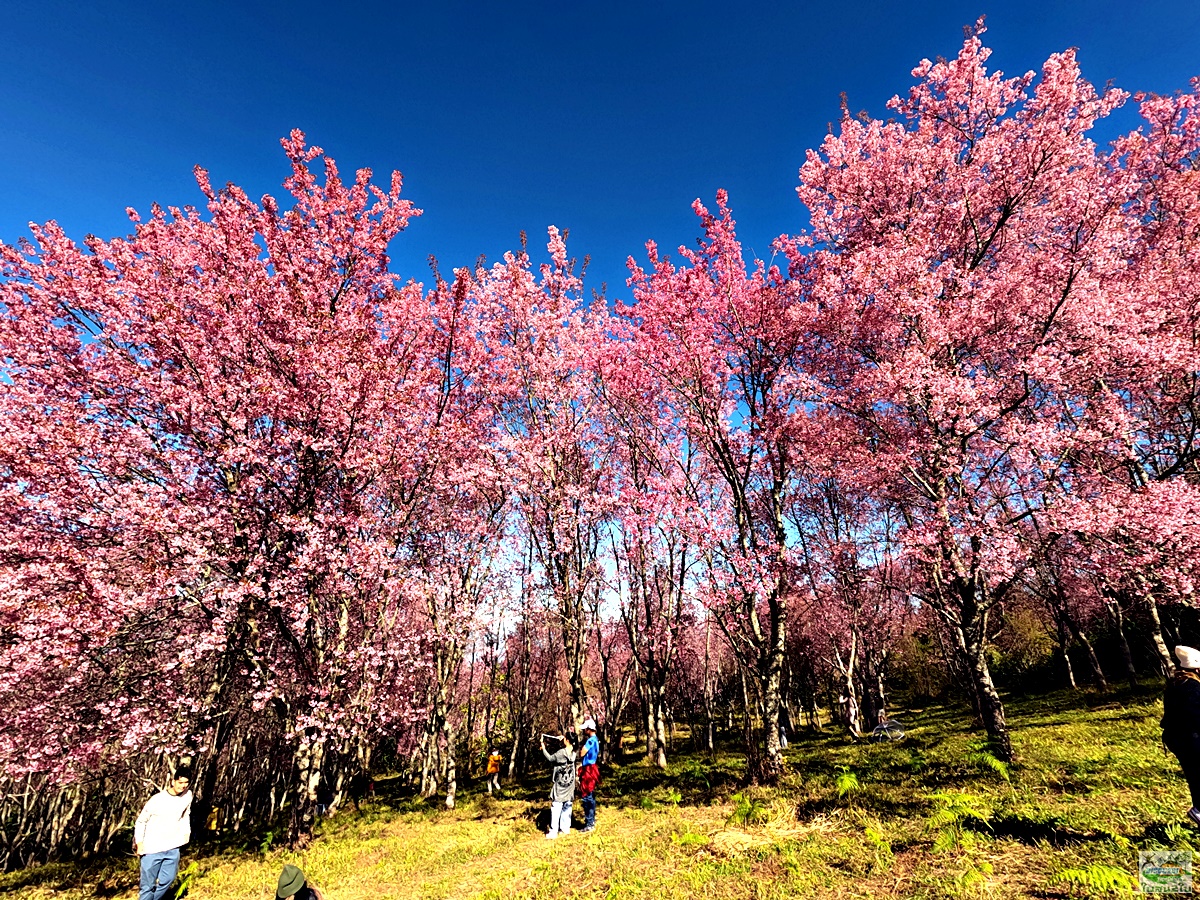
x=209, y=424
x=859, y=589
x=652, y=543
x=970, y=260
x=1139, y=501
x=455, y=546
x=540, y=338
x=725, y=346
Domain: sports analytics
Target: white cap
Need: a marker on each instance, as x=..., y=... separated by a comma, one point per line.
x=590, y=724
x=1189, y=658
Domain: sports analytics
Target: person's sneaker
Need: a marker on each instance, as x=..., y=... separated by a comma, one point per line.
x=551, y=836
x=1194, y=815
x=589, y=829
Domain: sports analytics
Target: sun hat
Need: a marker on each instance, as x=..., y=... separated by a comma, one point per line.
x=1189, y=658
x=589, y=724
x=291, y=879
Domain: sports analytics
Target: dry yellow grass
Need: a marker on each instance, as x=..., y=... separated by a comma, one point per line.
x=636, y=854
x=685, y=852
x=500, y=856
x=1093, y=789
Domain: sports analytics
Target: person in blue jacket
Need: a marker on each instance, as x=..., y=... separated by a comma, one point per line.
x=1181, y=721
x=589, y=775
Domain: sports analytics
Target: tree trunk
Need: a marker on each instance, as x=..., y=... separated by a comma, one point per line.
x=772, y=763
x=992, y=709
x=660, y=736
x=576, y=652
x=1113, y=605
x=519, y=704
x=429, y=759
x=1093, y=660
x=881, y=690
x=518, y=750
x=468, y=730
x=972, y=642
x=849, y=687
x=1150, y=607
x=870, y=687
x=1064, y=646
x=451, y=764
x=753, y=754
x=308, y=760
x=647, y=721
x=710, y=726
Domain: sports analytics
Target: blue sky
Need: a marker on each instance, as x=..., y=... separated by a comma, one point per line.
x=604, y=118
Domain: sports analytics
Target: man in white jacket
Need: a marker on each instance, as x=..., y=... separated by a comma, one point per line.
x=163, y=826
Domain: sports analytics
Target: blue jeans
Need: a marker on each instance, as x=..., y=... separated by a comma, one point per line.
x=588, y=801
x=158, y=874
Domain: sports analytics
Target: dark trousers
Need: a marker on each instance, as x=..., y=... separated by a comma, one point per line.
x=588, y=801
x=1189, y=760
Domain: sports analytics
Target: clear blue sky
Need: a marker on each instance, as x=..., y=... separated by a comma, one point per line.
x=604, y=118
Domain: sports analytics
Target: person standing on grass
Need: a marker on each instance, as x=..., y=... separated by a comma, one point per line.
x=589, y=775
x=294, y=886
x=493, y=770
x=562, y=786
x=1181, y=721
x=162, y=827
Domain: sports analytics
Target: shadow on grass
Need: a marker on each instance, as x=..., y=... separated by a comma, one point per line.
x=1170, y=834
x=108, y=878
x=1059, y=701
x=886, y=808
x=1050, y=830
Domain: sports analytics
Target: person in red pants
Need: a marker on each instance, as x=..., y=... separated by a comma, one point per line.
x=589, y=775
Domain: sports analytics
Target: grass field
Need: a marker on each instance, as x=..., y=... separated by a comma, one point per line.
x=931, y=816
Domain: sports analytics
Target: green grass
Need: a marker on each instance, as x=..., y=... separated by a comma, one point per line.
x=935, y=815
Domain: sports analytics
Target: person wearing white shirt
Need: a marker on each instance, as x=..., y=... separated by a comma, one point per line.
x=163, y=826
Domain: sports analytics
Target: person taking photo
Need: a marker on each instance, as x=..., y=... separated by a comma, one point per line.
x=562, y=785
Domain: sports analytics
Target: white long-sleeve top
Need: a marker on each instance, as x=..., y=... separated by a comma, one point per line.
x=164, y=823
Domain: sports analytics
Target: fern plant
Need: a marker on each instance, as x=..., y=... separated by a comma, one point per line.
x=696, y=774
x=1093, y=880
x=974, y=873
x=880, y=846
x=186, y=878
x=948, y=822
x=985, y=759
x=748, y=810
x=847, y=782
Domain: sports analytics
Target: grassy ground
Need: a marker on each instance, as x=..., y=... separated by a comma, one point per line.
x=931, y=816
